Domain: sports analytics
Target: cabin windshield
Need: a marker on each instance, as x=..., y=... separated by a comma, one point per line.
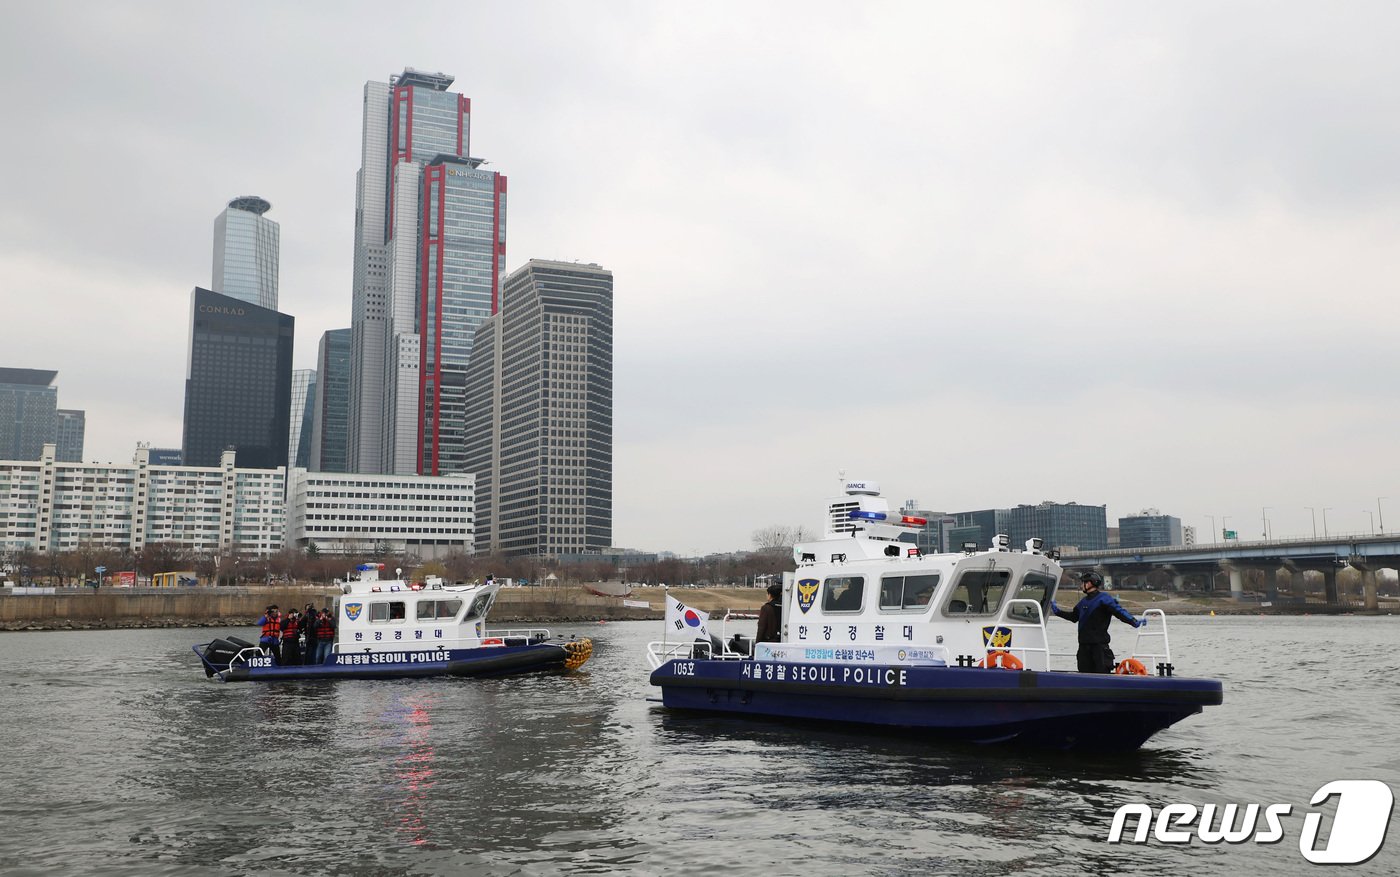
x=480, y=606
x=901, y=592
x=843, y=594
x=1037, y=586
x=978, y=592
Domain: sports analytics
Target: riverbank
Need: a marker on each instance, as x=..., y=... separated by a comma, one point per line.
x=118, y=608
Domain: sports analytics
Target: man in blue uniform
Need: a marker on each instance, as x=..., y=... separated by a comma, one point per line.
x=1093, y=613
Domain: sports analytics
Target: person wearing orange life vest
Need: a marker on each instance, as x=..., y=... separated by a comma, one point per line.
x=325, y=636
x=291, y=651
x=271, y=636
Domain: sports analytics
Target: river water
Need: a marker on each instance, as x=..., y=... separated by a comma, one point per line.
x=121, y=758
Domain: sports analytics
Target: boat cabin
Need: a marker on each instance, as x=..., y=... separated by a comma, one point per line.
x=375, y=615
x=863, y=586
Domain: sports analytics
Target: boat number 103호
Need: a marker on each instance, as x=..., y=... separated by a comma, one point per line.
x=1357, y=831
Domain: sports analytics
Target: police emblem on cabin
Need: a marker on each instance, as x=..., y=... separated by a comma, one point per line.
x=806, y=593
x=996, y=637
x=352, y=610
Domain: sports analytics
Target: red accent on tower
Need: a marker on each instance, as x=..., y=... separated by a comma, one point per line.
x=464, y=121
x=400, y=105
x=498, y=244
x=430, y=339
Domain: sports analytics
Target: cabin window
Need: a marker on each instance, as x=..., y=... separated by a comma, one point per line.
x=431, y=610
x=1035, y=586
x=843, y=594
x=978, y=592
x=387, y=611
x=907, y=592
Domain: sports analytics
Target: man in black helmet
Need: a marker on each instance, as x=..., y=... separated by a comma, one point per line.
x=1093, y=613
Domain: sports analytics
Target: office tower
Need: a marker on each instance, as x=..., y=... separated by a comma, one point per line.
x=303, y=407
x=429, y=260
x=977, y=526
x=238, y=387
x=1062, y=525
x=539, y=403
x=28, y=412
x=330, y=419
x=1149, y=529
x=246, y=253
x=71, y=427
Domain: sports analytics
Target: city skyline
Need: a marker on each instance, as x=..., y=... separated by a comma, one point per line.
x=1144, y=249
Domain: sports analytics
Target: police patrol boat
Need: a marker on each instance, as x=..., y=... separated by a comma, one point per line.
x=395, y=629
x=950, y=645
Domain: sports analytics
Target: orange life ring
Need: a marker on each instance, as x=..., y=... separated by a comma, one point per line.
x=1004, y=660
x=1130, y=667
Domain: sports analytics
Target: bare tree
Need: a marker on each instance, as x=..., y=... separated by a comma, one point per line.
x=778, y=538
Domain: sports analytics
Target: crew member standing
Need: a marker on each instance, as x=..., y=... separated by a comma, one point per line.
x=770, y=617
x=325, y=636
x=1093, y=613
x=271, y=636
x=291, y=651
x=308, y=632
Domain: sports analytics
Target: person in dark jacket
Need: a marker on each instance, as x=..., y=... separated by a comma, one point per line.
x=270, y=637
x=1093, y=613
x=308, y=633
x=770, y=617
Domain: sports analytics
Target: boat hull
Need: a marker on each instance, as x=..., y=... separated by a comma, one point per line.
x=1045, y=709
x=490, y=661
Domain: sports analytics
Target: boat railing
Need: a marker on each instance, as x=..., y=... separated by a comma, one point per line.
x=530, y=633
x=1032, y=657
x=1155, y=628
x=715, y=649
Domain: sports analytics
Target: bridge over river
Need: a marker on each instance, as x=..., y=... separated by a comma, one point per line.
x=1287, y=560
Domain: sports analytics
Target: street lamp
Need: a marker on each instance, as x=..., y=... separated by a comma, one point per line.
x=1224, y=519
x=1314, y=519
x=1324, y=521
x=1212, y=528
x=1264, y=513
x=1373, y=520
x=1380, y=517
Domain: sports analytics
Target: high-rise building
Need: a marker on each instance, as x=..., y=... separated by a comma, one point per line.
x=330, y=419
x=28, y=412
x=303, y=409
x=71, y=427
x=238, y=388
x=429, y=260
x=1149, y=529
x=246, y=252
x=539, y=402
x=979, y=526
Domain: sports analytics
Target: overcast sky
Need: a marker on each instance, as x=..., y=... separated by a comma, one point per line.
x=1133, y=255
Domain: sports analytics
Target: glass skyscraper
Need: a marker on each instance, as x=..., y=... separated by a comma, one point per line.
x=429, y=262
x=303, y=409
x=28, y=412
x=238, y=388
x=246, y=252
x=71, y=428
x=330, y=418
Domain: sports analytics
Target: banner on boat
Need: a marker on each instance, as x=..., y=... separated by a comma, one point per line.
x=914, y=656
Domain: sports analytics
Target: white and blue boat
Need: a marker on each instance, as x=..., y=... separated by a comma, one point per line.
x=400, y=629
x=951, y=646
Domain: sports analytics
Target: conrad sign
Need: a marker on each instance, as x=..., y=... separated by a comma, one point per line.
x=221, y=309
